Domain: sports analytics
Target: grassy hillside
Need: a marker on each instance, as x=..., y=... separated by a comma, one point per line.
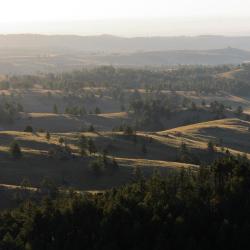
x=227, y=133
x=162, y=152
x=37, y=163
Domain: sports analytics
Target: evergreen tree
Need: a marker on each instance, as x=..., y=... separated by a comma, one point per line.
x=96, y=166
x=91, y=147
x=82, y=144
x=55, y=109
x=91, y=129
x=47, y=135
x=210, y=146
x=15, y=150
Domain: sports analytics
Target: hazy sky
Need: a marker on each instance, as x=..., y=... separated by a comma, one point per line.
x=111, y=16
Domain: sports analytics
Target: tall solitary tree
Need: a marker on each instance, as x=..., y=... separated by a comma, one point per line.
x=82, y=144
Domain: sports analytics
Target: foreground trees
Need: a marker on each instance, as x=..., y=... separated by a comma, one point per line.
x=204, y=209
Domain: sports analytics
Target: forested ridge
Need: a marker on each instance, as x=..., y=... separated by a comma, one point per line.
x=184, y=78
x=203, y=209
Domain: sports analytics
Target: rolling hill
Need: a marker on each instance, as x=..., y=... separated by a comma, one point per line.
x=163, y=152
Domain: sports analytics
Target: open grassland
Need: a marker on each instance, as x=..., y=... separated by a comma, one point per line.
x=36, y=163
x=230, y=74
x=232, y=133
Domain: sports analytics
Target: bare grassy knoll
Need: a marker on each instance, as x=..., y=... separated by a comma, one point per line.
x=232, y=134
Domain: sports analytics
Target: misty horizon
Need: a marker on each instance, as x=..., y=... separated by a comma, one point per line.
x=127, y=19
x=140, y=27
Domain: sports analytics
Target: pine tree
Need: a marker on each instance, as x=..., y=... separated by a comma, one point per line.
x=82, y=144
x=55, y=109
x=15, y=150
x=96, y=166
x=91, y=128
x=91, y=147
x=210, y=147
x=48, y=136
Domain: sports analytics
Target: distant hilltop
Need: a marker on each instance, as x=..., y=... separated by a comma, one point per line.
x=30, y=53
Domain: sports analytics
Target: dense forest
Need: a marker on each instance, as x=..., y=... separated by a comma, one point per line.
x=203, y=209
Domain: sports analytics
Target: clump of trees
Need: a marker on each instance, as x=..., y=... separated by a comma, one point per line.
x=9, y=111
x=86, y=145
x=61, y=152
x=28, y=129
x=185, y=154
x=75, y=110
x=102, y=165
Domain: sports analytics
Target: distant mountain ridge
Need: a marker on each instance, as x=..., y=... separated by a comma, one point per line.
x=29, y=54
x=110, y=43
x=183, y=57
